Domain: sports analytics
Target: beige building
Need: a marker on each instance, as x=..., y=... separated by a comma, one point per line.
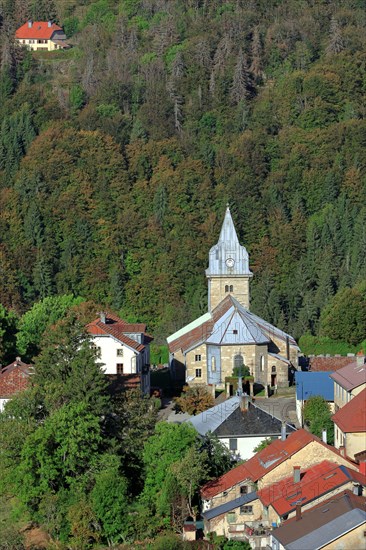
x=349, y=381
x=350, y=426
x=229, y=335
x=41, y=35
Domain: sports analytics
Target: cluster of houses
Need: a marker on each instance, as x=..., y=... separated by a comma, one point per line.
x=298, y=492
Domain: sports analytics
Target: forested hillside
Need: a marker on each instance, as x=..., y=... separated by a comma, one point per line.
x=117, y=157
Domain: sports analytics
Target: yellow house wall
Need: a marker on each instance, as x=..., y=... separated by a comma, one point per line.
x=354, y=539
x=355, y=443
x=342, y=396
x=220, y=524
x=240, y=290
x=34, y=46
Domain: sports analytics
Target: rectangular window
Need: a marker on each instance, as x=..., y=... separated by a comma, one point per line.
x=246, y=509
x=233, y=444
x=119, y=368
x=235, y=331
x=231, y=517
x=198, y=373
x=120, y=352
x=244, y=490
x=197, y=358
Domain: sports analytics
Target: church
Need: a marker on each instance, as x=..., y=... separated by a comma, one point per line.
x=229, y=335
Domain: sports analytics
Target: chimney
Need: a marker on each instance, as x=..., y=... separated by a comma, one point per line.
x=244, y=402
x=296, y=474
x=324, y=436
x=287, y=347
x=283, y=431
x=18, y=359
x=103, y=317
x=30, y=23
x=342, y=450
x=49, y=24
x=298, y=512
x=360, y=359
x=357, y=489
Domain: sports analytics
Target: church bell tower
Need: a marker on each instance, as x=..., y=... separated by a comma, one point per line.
x=228, y=269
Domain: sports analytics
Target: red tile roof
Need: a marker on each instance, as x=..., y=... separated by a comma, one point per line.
x=352, y=416
x=329, y=364
x=119, y=329
x=14, y=378
x=316, y=481
x=261, y=463
x=351, y=376
x=39, y=30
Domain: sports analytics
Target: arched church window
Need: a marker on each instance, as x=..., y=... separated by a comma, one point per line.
x=262, y=363
x=273, y=368
x=213, y=364
x=231, y=288
x=226, y=288
x=238, y=361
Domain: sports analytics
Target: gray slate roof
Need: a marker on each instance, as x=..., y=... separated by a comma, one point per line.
x=227, y=419
x=330, y=531
x=223, y=508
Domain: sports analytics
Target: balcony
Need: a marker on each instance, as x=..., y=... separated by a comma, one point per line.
x=255, y=532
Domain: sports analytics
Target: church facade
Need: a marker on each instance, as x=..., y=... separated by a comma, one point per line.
x=229, y=335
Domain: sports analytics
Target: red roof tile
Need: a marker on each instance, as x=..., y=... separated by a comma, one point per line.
x=39, y=30
x=119, y=329
x=352, y=416
x=351, y=376
x=261, y=463
x=316, y=481
x=329, y=364
x=14, y=378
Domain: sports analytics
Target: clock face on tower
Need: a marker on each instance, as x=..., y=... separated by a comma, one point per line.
x=230, y=262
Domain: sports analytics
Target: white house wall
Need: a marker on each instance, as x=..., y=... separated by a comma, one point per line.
x=245, y=445
x=131, y=360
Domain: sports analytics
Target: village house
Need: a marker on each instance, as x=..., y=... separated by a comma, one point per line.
x=276, y=503
x=14, y=378
x=123, y=349
x=350, y=426
x=41, y=35
x=338, y=522
x=229, y=335
x=240, y=425
x=311, y=384
x=349, y=381
x=270, y=465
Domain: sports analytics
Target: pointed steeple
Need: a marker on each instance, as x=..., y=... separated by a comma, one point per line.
x=228, y=232
x=228, y=270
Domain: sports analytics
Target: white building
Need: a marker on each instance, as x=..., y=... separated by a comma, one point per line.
x=123, y=349
x=41, y=35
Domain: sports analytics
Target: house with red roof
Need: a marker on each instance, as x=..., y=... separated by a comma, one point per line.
x=14, y=378
x=350, y=426
x=269, y=466
x=349, y=381
x=41, y=35
x=123, y=349
x=274, y=504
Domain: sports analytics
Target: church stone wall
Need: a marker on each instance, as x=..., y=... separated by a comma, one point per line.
x=217, y=290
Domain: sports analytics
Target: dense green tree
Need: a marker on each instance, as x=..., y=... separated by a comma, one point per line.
x=344, y=318
x=8, y=325
x=40, y=317
x=317, y=416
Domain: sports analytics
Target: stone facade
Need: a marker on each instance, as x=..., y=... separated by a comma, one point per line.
x=219, y=287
